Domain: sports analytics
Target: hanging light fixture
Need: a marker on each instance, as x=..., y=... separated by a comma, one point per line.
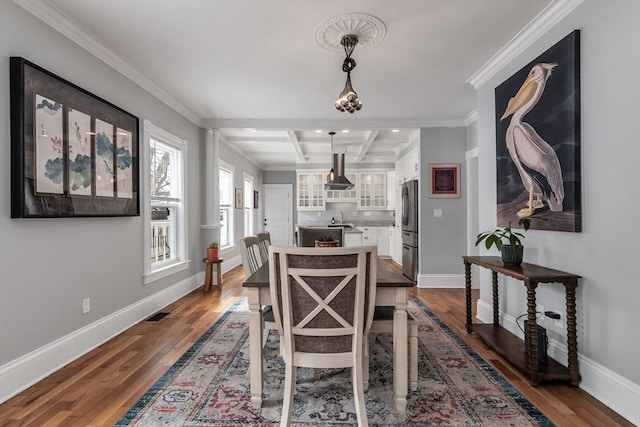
x=348, y=98
x=331, y=177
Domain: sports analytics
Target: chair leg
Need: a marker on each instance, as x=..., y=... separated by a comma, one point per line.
x=368, y=345
x=265, y=336
x=413, y=356
x=358, y=394
x=289, y=390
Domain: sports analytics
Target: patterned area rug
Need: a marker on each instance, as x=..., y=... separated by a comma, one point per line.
x=208, y=385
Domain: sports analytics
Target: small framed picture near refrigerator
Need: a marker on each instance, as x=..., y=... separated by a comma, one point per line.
x=444, y=180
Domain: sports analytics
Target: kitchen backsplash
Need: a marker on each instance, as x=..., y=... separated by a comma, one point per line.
x=372, y=218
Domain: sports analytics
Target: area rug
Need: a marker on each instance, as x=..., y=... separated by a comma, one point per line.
x=209, y=386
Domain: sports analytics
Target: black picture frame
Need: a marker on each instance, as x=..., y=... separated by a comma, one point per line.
x=255, y=199
x=239, y=201
x=73, y=154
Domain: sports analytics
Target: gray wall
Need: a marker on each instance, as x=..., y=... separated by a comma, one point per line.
x=472, y=135
x=605, y=253
x=442, y=240
x=47, y=266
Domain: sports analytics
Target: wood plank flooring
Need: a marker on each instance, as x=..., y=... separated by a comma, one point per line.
x=98, y=388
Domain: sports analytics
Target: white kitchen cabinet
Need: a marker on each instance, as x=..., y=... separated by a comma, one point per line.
x=349, y=196
x=372, y=190
x=369, y=235
x=391, y=190
x=383, y=241
x=311, y=191
x=353, y=239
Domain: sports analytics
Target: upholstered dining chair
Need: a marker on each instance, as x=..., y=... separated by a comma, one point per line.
x=307, y=236
x=264, y=241
x=323, y=302
x=251, y=261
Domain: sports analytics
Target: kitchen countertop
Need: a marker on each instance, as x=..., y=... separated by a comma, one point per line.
x=354, y=225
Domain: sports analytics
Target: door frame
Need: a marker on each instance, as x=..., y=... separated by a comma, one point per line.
x=288, y=187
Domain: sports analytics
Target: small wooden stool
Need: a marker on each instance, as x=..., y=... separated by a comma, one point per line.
x=208, y=275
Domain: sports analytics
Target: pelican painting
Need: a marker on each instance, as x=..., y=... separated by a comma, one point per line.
x=535, y=159
x=537, y=122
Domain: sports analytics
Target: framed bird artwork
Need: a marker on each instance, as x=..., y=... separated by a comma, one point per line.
x=538, y=141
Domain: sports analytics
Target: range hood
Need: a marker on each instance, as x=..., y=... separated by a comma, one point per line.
x=339, y=181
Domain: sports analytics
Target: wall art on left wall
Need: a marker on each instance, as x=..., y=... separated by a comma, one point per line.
x=72, y=153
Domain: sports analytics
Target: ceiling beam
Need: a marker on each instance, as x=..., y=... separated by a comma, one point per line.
x=366, y=145
x=296, y=144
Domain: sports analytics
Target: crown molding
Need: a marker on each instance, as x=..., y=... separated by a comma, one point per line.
x=280, y=124
x=50, y=15
x=538, y=26
x=471, y=117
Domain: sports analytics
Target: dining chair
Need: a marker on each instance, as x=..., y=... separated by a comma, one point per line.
x=307, y=236
x=323, y=302
x=264, y=241
x=251, y=261
x=383, y=324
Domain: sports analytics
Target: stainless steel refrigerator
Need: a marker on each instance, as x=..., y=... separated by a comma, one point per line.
x=410, y=229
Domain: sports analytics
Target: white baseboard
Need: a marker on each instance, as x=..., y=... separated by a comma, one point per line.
x=27, y=370
x=615, y=391
x=441, y=281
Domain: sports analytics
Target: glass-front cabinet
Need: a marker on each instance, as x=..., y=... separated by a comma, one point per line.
x=373, y=190
x=311, y=191
x=345, y=195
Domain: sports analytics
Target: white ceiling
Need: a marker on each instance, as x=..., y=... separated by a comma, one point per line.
x=237, y=64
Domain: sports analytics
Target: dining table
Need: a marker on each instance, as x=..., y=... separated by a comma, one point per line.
x=392, y=290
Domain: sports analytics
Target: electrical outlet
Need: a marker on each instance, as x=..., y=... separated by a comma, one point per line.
x=86, y=305
x=558, y=322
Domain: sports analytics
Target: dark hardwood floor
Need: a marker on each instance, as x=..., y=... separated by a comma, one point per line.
x=98, y=388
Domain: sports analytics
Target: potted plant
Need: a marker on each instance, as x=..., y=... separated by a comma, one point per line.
x=212, y=250
x=327, y=242
x=507, y=241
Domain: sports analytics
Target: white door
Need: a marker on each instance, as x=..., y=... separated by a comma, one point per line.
x=278, y=213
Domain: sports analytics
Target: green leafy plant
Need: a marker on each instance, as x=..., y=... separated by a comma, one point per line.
x=214, y=245
x=504, y=236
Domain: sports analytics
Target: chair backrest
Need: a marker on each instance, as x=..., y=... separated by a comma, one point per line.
x=307, y=236
x=264, y=241
x=323, y=301
x=250, y=255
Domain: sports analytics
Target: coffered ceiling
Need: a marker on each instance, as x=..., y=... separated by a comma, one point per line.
x=254, y=70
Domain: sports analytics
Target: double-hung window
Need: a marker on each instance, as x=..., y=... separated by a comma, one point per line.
x=248, y=205
x=226, y=204
x=164, y=194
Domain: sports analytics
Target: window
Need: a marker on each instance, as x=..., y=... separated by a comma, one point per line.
x=226, y=204
x=248, y=205
x=164, y=204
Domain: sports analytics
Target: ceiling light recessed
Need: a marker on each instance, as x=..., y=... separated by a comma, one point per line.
x=345, y=131
x=395, y=130
x=318, y=130
x=250, y=130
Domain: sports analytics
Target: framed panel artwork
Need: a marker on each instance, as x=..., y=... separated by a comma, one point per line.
x=255, y=200
x=238, y=199
x=72, y=153
x=444, y=180
x=538, y=141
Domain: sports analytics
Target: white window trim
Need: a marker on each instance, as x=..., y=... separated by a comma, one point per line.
x=153, y=274
x=224, y=165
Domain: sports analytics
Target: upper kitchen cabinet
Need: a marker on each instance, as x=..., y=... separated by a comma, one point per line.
x=350, y=196
x=391, y=190
x=311, y=193
x=373, y=190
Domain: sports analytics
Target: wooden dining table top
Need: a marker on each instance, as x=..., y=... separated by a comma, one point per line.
x=387, y=276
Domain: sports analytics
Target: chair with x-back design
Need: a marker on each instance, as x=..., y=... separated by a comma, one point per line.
x=323, y=304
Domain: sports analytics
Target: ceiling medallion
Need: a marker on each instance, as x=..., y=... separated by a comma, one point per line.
x=369, y=30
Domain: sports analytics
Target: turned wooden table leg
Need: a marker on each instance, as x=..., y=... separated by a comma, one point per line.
x=572, y=340
x=496, y=306
x=467, y=287
x=533, y=333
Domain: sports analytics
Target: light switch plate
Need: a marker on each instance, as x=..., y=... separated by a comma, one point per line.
x=437, y=213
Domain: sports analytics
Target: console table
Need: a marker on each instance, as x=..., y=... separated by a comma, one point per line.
x=510, y=346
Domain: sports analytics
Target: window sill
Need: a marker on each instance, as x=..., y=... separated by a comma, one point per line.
x=167, y=271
